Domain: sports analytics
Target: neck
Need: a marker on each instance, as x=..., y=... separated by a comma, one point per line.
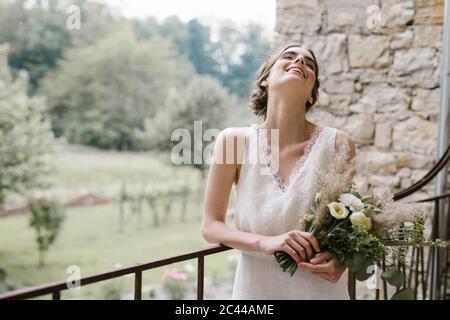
x=288, y=116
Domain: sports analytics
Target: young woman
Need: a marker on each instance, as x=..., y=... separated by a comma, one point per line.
x=274, y=192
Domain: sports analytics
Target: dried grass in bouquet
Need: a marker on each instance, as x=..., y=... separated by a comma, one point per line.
x=360, y=230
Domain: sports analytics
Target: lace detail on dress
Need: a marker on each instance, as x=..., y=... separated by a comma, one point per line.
x=283, y=185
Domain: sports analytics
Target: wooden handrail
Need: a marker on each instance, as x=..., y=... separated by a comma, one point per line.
x=425, y=179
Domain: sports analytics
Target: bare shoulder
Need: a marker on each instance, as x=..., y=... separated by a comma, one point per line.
x=342, y=139
x=230, y=144
x=233, y=132
x=232, y=136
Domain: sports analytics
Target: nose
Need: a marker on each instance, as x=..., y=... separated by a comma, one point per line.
x=300, y=57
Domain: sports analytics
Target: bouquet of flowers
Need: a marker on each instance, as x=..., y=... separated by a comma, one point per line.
x=360, y=230
x=355, y=229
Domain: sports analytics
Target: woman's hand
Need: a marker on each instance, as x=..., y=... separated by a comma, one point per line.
x=301, y=246
x=326, y=266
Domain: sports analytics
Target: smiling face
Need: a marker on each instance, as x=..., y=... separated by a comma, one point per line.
x=294, y=72
x=290, y=71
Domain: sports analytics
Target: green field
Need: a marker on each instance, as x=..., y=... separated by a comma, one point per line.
x=90, y=238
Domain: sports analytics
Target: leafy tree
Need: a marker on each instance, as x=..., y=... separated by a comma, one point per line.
x=226, y=49
x=240, y=53
x=192, y=40
x=38, y=34
x=46, y=219
x=203, y=99
x=242, y=75
x=97, y=22
x=199, y=48
x=7, y=284
x=233, y=57
x=172, y=27
x=25, y=134
x=145, y=28
x=103, y=92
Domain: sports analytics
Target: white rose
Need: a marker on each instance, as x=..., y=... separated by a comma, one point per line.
x=360, y=219
x=351, y=201
x=338, y=210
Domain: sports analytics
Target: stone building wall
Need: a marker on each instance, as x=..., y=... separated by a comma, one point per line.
x=379, y=79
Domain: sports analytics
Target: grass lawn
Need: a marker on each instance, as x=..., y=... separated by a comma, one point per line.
x=89, y=239
x=104, y=171
x=80, y=168
x=89, y=236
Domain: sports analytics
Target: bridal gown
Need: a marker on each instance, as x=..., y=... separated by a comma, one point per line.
x=266, y=205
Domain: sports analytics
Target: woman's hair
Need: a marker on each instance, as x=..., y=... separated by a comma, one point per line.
x=258, y=97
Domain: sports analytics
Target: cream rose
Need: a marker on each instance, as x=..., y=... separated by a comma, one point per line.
x=360, y=219
x=338, y=210
x=309, y=217
x=302, y=224
x=351, y=201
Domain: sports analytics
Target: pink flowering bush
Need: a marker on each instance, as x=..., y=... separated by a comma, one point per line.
x=175, y=284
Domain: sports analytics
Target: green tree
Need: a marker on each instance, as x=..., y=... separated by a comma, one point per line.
x=199, y=48
x=7, y=284
x=97, y=22
x=192, y=40
x=25, y=134
x=240, y=53
x=172, y=27
x=242, y=75
x=226, y=50
x=202, y=99
x=233, y=57
x=103, y=92
x=46, y=219
x=145, y=28
x=38, y=34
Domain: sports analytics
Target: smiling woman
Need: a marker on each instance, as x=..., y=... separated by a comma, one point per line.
x=269, y=203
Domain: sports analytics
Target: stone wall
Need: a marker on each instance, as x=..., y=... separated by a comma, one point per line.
x=379, y=79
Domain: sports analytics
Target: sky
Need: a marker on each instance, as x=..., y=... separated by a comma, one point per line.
x=239, y=11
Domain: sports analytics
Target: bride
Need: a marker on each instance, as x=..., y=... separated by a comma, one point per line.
x=274, y=192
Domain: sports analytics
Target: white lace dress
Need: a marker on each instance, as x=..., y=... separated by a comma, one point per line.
x=265, y=205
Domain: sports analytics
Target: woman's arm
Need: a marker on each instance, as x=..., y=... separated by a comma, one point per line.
x=222, y=173
x=225, y=163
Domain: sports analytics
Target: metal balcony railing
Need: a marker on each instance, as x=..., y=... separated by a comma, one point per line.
x=55, y=288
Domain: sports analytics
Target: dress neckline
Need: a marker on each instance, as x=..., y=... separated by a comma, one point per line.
x=283, y=185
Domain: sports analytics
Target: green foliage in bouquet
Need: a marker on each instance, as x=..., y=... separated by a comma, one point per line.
x=357, y=229
x=360, y=230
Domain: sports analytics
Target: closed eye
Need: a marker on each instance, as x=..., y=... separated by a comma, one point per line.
x=289, y=57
